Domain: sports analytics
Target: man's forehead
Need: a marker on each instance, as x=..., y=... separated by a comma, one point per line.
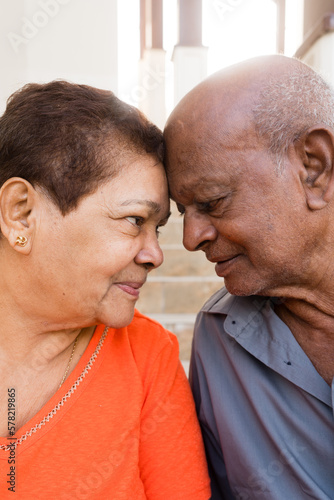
x=199, y=175
x=209, y=143
x=219, y=162
x=228, y=124
x=197, y=115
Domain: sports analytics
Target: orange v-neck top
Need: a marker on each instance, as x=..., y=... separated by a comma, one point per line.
x=127, y=432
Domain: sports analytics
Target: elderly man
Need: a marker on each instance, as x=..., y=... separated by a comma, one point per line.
x=250, y=155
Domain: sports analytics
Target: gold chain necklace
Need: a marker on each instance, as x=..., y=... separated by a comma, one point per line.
x=69, y=361
x=63, y=400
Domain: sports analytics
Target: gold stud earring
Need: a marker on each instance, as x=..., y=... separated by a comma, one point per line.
x=21, y=241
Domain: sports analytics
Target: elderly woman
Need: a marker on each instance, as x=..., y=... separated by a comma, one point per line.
x=94, y=402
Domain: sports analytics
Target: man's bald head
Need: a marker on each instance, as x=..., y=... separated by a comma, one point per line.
x=225, y=142
x=279, y=97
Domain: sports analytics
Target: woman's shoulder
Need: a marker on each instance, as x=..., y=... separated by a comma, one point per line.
x=149, y=331
x=149, y=339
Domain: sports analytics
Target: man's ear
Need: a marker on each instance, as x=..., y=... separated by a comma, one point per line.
x=315, y=148
x=17, y=217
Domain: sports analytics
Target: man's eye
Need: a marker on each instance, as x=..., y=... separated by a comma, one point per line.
x=135, y=221
x=210, y=206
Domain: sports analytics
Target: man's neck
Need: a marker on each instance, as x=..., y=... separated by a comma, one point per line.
x=313, y=327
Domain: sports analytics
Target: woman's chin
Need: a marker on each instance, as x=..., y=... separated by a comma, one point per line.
x=119, y=320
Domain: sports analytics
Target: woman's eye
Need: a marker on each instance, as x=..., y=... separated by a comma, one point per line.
x=180, y=208
x=136, y=221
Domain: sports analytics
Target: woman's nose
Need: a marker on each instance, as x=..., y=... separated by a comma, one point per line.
x=150, y=254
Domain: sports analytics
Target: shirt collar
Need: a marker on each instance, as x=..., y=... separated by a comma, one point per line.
x=252, y=322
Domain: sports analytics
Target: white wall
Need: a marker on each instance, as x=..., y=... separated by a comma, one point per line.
x=321, y=57
x=42, y=40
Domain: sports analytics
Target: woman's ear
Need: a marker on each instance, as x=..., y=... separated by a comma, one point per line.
x=17, y=213
x=315, y=148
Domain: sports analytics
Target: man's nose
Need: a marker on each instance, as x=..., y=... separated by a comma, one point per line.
x=197, y=231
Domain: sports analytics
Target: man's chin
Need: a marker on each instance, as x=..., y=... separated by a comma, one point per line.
x=242, y=289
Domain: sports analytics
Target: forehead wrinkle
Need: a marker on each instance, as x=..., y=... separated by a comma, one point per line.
x=154, y=206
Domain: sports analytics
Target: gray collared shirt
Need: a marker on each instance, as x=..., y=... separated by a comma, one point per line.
x=265, y=412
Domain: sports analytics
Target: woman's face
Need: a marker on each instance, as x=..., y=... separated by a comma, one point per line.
x=92, y=262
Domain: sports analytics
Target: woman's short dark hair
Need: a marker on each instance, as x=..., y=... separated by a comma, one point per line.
x=67, y=138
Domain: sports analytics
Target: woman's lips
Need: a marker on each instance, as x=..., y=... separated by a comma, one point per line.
x=132, y=288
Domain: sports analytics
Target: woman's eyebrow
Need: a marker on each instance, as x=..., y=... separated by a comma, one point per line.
x=154, y=206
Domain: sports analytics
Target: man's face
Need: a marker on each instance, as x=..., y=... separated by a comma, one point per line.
x=249, y=221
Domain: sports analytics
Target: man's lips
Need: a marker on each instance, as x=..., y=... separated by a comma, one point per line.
x=223, y=265
x=131, y=287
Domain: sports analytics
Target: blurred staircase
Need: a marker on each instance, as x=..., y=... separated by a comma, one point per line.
x=176, y=291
